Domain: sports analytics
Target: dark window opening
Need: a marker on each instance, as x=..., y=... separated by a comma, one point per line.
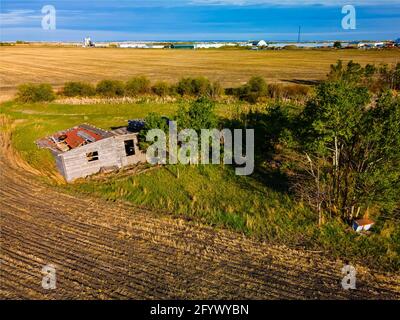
x=129, y=147
x=92, y=156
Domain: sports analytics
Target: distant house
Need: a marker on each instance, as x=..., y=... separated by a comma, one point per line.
x=379, y=45
x=133, y=45
x=84, y=150
x=87, y=42
x=362, y=225
x=258, y=44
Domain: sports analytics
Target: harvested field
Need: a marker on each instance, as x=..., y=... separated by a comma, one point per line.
x=111, y=250
x=56, y=65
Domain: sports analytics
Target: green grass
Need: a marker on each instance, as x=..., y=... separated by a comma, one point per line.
x=211, y=194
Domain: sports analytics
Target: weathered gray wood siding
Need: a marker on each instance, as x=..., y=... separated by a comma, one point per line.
x=111, y=153
x=60, y=164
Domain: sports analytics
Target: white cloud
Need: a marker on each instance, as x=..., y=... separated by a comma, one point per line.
x=17, y=17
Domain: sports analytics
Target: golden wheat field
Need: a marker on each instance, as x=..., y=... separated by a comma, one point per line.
x=117, y=250
x=56, y=65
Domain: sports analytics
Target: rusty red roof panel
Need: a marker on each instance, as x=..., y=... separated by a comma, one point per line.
x=75, y=140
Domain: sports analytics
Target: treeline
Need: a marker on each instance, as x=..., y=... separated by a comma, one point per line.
x=135, y=87
x=375, y=78
x=254, y=91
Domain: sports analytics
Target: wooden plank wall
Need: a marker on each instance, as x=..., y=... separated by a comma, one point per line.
x=111, y=153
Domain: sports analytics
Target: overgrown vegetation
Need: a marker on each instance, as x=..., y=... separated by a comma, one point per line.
x=35, y=93
x=137, y=86
x=110, y=88
x=375, y=78
x=78, y=89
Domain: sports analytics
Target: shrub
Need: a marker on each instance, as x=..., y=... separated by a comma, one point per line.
x=184, y=86
x=35, y=93
x=201, y=87
x=216, y=90
x=73, y=89
x=295, y=91
x=198, y=115
x=198, y=87
x=137, y=85
x=252, y=90
x=161, y=88
x=276, y=91
x=110, y=88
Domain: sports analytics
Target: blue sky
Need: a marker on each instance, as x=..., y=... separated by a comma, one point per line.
x=198, y=20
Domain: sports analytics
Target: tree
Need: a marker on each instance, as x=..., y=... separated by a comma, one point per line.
x=350, y=150
x=337, y=45
x=254, y=89
x=199, y=115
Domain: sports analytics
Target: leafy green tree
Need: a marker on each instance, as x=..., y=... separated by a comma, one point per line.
x=351, y=150
x=337, y=45
x=199, y=115
x=152, y=121
x=254, y=89
x=137, y=86
x=35, y=93
x=81, y=89
x=110, y=88
x=161, y=88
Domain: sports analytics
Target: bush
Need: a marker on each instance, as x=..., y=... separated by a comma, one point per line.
x=295, y=91
x=161, y=88
x=137, y=85
x=110, y=88
x=198, y=87
x=184, y=87
x=252, y=90
x=81, y=89
x=216, y=90
x=35, y=93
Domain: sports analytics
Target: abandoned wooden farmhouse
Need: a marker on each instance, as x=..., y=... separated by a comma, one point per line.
x=85, y=150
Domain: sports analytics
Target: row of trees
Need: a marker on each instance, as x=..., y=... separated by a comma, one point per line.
x=137, y=86
x=375, y=78
x=255, y=90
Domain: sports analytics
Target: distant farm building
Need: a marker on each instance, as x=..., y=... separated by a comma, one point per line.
x=259, y=44
x=87, y=42
x=85, y=150
x=183, y=46
x=133, y=45
x=137, y=45
x=362, y=225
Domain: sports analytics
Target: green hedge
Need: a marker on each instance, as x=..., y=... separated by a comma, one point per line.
x=82, y=89
x=110, y=88
x=35, y=93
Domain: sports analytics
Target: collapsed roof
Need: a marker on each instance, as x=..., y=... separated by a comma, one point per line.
x=65, y=140
x=83, y=134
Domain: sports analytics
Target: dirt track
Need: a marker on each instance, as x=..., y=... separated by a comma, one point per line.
x=115, y=251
